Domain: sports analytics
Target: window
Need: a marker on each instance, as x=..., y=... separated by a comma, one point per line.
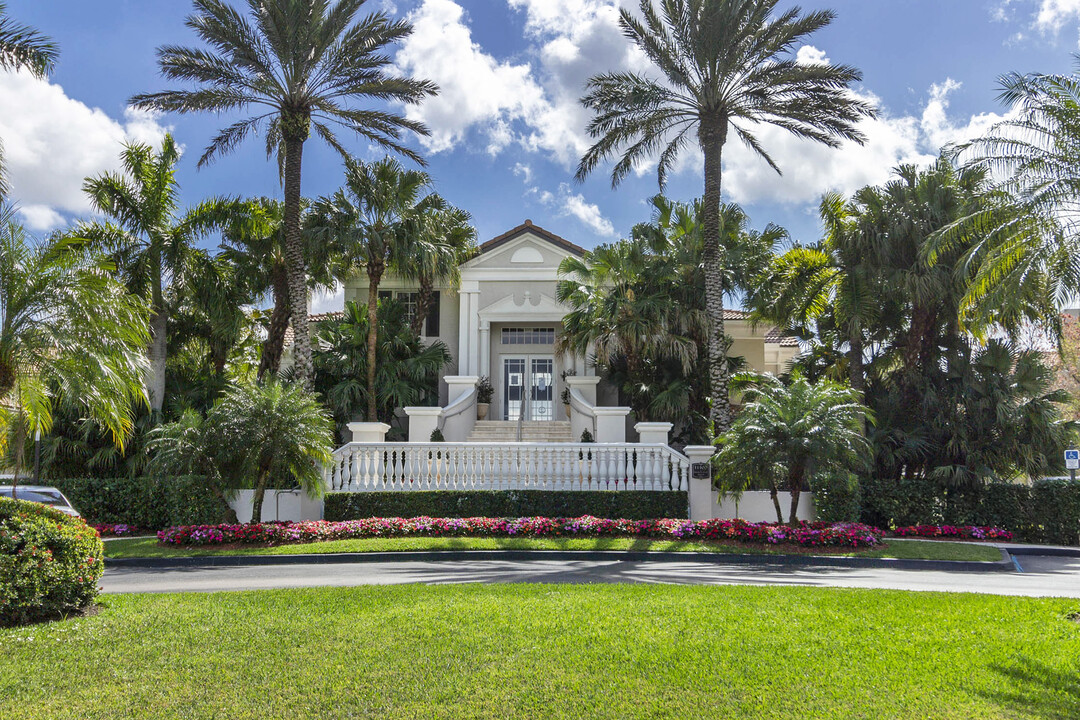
x=528, y=336
x=409, y=300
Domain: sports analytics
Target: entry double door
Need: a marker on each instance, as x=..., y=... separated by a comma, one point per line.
x=529, y=387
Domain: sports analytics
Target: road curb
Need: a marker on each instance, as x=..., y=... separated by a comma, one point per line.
x=1003, y=565
x=1035, y=550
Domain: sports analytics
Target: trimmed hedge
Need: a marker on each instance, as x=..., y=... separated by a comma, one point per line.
x=146, y=502
x=837, y=498
x=50, y=563
x=628, y=504
x=1047, y=511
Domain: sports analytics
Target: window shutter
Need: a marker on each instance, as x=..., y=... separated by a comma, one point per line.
x=431, y=328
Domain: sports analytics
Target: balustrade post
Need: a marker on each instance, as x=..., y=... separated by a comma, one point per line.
x=699, y=495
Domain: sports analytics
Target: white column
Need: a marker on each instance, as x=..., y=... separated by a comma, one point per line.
x=473, y=328
x=700, y=494
x=611, y=424
x=485, y=350
x=422, y=422
x=368, y=432
x=463, y=332
x=650, y=433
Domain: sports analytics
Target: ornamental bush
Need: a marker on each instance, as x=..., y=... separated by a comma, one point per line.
x=840, y=535
x=50, y=563
x=630, y=504
x=144, y=501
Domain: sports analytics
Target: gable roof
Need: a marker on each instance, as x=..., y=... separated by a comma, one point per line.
x=528, y=227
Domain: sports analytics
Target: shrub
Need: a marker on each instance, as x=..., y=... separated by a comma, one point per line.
x=631, y=504
x=50, y=563
x=1047, y=511
x=967, y=532
x=146, y=502
x=836, y=497
x=847, y=535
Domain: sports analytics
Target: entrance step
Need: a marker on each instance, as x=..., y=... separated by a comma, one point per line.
x=499, y=431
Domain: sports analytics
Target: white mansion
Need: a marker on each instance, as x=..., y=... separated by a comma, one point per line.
x=501, y=322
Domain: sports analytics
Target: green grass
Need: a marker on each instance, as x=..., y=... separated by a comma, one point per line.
x=549, y=651
x=911, y=549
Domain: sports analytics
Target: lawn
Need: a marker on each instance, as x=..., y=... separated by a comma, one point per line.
x=549, y=651
x=910, y=549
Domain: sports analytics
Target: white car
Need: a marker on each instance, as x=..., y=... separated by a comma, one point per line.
x=40, y=494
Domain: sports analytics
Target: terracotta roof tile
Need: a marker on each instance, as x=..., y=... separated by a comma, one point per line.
x=337, y=315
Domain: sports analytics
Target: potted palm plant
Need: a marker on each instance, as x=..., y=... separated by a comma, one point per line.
x=565, y=395
x=484, y=391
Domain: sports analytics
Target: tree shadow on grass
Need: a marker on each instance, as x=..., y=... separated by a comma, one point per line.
x=1037, y=690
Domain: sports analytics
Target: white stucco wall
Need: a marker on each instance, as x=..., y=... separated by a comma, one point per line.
x=294, y=505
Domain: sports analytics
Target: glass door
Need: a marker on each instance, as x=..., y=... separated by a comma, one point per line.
x=541, y=390
x=528, y=387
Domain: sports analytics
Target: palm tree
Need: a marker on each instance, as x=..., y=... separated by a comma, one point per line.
x=253, y=434
x=832, y=283
x=253, y=239
x=69, y=333
x=149, y=242
x=23, y=47
x=451, y=228
x=1034, y=157
x=301, y=64
x=726, y=67
x=407, y=370
x=377, y=222
x=787, y=434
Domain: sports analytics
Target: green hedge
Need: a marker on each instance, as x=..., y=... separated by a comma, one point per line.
x=50, y=563
x=147, y=502
x=837, y=498
x=630, y=504
x=1047, y=511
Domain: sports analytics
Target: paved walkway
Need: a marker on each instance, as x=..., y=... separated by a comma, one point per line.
x=1040, y=576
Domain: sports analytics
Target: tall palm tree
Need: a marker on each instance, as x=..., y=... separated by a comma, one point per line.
x=1034, y=161
x=68, y=332
x=302, y=65
x=23, y=47
x=376, y=222
x=451, y=228
x=726, y=66
x=146, y=236
x=786, y=434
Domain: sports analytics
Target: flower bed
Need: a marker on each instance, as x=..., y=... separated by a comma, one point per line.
x=844, y=535
x=964, y=532
x=117, y=530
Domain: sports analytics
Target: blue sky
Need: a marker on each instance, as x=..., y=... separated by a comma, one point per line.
x=507, y=130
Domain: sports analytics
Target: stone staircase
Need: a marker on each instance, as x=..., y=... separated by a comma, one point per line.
x=503, y=431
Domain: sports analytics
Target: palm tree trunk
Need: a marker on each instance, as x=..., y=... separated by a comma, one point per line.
x=423, y=303
x=294, y=260
x=856, y=375
x=257, y=498
x=795, y=478
x=374, y=277
x=711, y=135
x=159, y=326
x=776, y=504
x=155, y=378
x=272, y=347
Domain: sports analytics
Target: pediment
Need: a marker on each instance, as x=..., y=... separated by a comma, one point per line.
x=523, y=306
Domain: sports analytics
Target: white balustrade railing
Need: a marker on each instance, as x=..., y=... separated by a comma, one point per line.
x=364, y=467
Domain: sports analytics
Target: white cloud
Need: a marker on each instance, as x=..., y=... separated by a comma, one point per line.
x=40, y=218
x=475, y=89
x=536, y=106
x=524, y=172
x=1053, y=15
x=53, y=142
x=332, y=300
x=570, y=204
